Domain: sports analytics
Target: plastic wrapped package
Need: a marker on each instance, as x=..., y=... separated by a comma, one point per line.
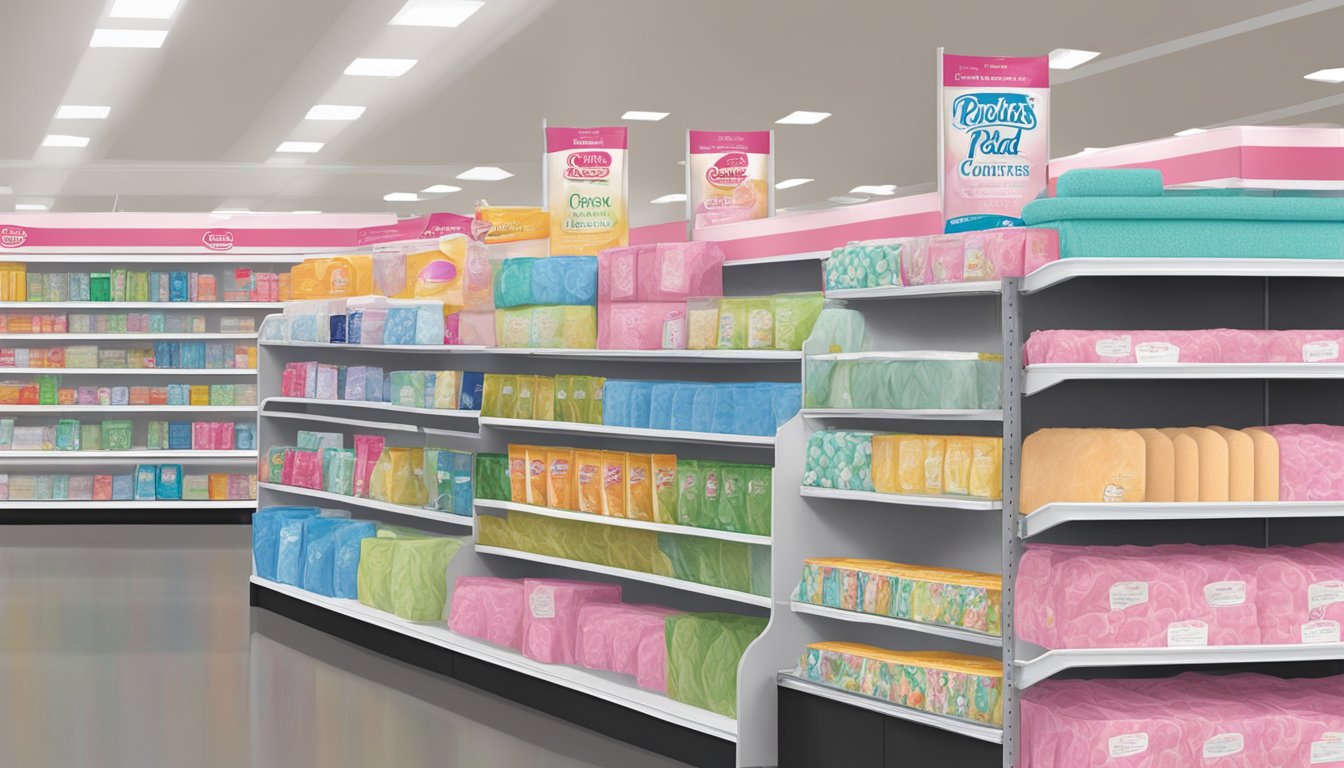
x=374, y=577
x=564, y=280
x=338, y=471
x=704, y=651
x=942, y=596
x=492, y=476
x=489, y=609
x=702, y=323
x=395, y=478
x=345, y=557
x=717, y=563
x=641, y=325
x=680, y=271
x=651, y=661
x=795, y=315
x=612, y=546
x=319, y=554
x=839, y=459
x=417, y=583
x=609, y=634
x=551, y=609
x=266, y=524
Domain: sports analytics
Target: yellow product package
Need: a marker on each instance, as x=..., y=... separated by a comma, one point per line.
x=537, y=463
x=435, y=271
x=587, y=190
x=514, y=224
x=613, y=484
x=560, y=478
x=518, y=473
x=543, y=398
x=935, y=450
x=588, y=481
x=447, y=389
x=986, y=467
x=639, y=487
x=522, y=405
x=664, y=468
x=957, y=466
x=702, y=323
x=398, y=477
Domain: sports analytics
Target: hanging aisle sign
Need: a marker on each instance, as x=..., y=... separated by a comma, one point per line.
x=993, y=138
x=729, y=177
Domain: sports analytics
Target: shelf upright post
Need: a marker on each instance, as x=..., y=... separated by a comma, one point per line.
x=1012, y=329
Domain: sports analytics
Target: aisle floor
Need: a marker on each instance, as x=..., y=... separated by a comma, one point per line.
x=135, y=647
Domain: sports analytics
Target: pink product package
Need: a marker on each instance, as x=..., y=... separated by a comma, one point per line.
x=915, y=266
x=368, y=448
x=488, y=608
x=452, y=328
x=551, y=615
x=1216, y=345
x=618, y=272
x=651, y=660
x=1309, y=465
x=294, y=379
x=200, y=436
x=1303, y=346
x=609, y=634
x=680, y=271
x=1133, y=597
x=327, y=377
x=1300, y=593
x=946, y=254
x=307, y=470
x=477, y=327
x=641, y=325
x=1011, y=252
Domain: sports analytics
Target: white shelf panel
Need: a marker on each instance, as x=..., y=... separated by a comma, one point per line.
x=87, y=305
x=140, y=453
x=649, y=578
x=447, y=349
x=614, y=688
x=663, y=355
x=940, y=502
x=621, y=522
x=197, y=259
x=45, y=409
x=134, y=371
x=785, y=257
x=962, y=727
x=362, y=405
x=1050, y=663
x=668, y=435
x=979, y=288
x=386, y=426
x=890, y=414
x=57, y=338
x=1066, y=269
x=382, y=506
x=1052, y=515
x=886, y=621
x=129, y=504
x=1043, y=376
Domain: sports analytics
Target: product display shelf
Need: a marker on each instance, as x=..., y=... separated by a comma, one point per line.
x=662, y=355
x=804, y=256
x=77, y=306
x=629, y=433
x=1047, y=664
x=359, y=504
x=97, y=409
x=153, y=456
x=57, y=338
x=272, y=404
x=936, y=502
x=887, y=621
x=1043, y=376
x=891, y=414
x=1063, y=270
x=132, y=371
x=1052, y=515
x=125, y=512
x=887, y=709
x=188, y=260
x=492, y=506
x=980, y=288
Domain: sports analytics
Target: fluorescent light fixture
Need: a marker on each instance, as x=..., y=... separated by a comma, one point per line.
x=143, y=9
x=379, y=67
x=802, y=117
x=30, y=207
x=62, y=140
x=1068, y=58
x=635, y=114
x=300, y=146
x=401, y=197
x=441, y=189
x=77, y=112
x=230, y=211
x=435, y=13
x=791, y=183
x=874, y=189
x=304, y=213
x=1332, y=76
x=128, y=38
x=484, y=173
x=675, y=197
x=334, y=112
x=1190, y=132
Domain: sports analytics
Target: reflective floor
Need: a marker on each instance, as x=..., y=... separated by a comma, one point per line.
x=134, y=647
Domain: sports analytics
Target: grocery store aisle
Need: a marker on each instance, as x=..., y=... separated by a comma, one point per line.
x=135, y=647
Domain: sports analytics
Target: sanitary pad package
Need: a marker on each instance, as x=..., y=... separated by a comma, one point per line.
x=732, y=176
x=587, y=189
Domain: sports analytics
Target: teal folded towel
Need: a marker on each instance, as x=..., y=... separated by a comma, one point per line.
x=1110, y=182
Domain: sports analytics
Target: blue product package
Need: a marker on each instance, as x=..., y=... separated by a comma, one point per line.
x=570, y=280
x=157, y=322
x=754, y=410
x=726, y=400
x=154, y=283
x=303, y=327
x=245, y=437
x=616, y=403
x=472, y=384
x=399, y=329
x=192, y=355
x=123, y=487
x=179, y=394
x=429, y=323
x=345, y=567
x=121, y=395
x=660, y=404
x=289, y=559
x=163, y=354
x=463, y=491
x=319, y=553
x=337, y=329
x=373, y=384
x=179, y=435
x=702, y=412
x=513, y=282
x=427, y=400
x=342, y=376
x=177, y=287
x=146, y=477
x=354, y=325
x=683, y=406
x=168, y=483
x=787, y=400
x=640, y=394
x=350, y=382
x=387, y=387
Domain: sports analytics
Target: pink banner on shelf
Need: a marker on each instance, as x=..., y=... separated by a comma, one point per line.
x=434, y=225
x=703, y=142
x=996, y=71
x=668, y=232
x=219, y=239
x=585, y=138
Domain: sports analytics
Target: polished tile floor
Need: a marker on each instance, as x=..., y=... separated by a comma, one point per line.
x=134, y=647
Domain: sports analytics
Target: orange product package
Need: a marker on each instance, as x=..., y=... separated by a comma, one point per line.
x=588, y=481
x=518, y=473
x=664, y=467
x=536, y=475
x=639, y=487
x=560, y=478
x=613, y=483
x=218, y=485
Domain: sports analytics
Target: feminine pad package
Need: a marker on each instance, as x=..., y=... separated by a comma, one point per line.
x=609, y=634
x=551, y=615
x=1218, y=345
x=704, y=651
x=488, y=608
x=587, y=189
x=731, y=176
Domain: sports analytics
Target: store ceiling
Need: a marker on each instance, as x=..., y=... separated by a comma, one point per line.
x=194, y=125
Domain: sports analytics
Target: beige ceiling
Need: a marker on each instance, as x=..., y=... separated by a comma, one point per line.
x=195, y=124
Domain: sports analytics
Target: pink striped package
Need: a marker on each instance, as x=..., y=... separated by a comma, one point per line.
x=489, y=609
x=609, y=634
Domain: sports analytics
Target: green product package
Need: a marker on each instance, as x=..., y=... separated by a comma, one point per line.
x=758, y=499
x=373, y=580
x=67, y=435
x=760, y=323
x=690, y=492
x=408, y=389
x=704, y=651
x=275, y=463
x=732, y=499
x=612, y=546
x=733, y=322
x=712, y=475
x=795, y=315
x=713, y=562
x=492, y=393
x=522, y=404
x=196, y=487
x=418, y=587
x=566, y=407
x=117, y=435
x=91, y=437
x=492, y=477
x=100, y=286
x=338, y=471
x=221, y=394
x=316, y=441
x=48, y=390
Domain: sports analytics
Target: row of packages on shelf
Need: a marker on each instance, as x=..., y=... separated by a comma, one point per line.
x=1214, y=345
x=438, y=390
x=952, y=258
x=241, y=285
x=203, y=355
x=47, y=390
x=119, y=322
x=118, y=435
x=149, y=482
x=921, y=465
x=904, y=380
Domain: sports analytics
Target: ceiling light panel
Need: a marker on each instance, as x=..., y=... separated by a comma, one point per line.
x=435, y=13
x=791, y=183
x=29, y=207
x=128, y=38
x=484, y=173
x=635, y=114
x=143, y=9
x=1327, y=75
x=1068, y=58
x=1191, y=132
x=379, y=67
x=874, y=189
x=802, y=117
x=63, y=140
x=441, y=189
x=676, y=197
x=334, y=112
x=300, y=146
x=81, y=112
x=401, y=197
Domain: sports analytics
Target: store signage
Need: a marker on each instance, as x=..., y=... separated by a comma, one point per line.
x=217, y=239
x=13, y=237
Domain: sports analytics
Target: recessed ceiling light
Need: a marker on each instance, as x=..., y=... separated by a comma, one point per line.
x=380, y=67
x=77, y=112
x=1335, y=75
x=675, y=197
x=791, y=183
x=1190, y=131
x=143, y=9
x=62, y=140
x=334, y=112
x=441, y=189
x=30, y=207
x=1068, y=58
x=300, y=146
x=435, y=13
x=802, y=117
x=401, y=197
x=635, y=114
x=484, y=173
x=128, y=38
x=874, y=189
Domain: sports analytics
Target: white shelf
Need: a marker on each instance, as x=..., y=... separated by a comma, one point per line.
x=408, y=348
x=891, y=414
x=134, y=371
x=45, y=409
x=782, y=258
x=962, y=727
x=63, y=337
x=650, y=578
x=622, y=522
x=363, y=405
x=128, y=504
x=387, y=426
x=1067, y=269
x=196, y=259
x=979, y=288
x=955, y=633
x=382, y=506
x=100, y=457
x=669, y=435
x=86, y=305
x=662, y=355
x=1046, y=375
x=611, y=687
x=1052, y=515
x=908, y=500
x=1050, y=663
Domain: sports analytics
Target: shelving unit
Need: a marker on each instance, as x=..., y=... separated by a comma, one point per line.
x=952, y=725
x=366, y=505
x=495, y=507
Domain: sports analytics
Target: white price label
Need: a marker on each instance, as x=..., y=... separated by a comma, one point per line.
x=1223, y=745
x=1330, y=749
x=1320, y=632
x=1127, y=593
x=1157, y=352
x=1320, y=351
x=1325, y=593
x=1187, y=633
x=542, y=603
x=1128, y=744
x=1118, y=346
x=1221, y=594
